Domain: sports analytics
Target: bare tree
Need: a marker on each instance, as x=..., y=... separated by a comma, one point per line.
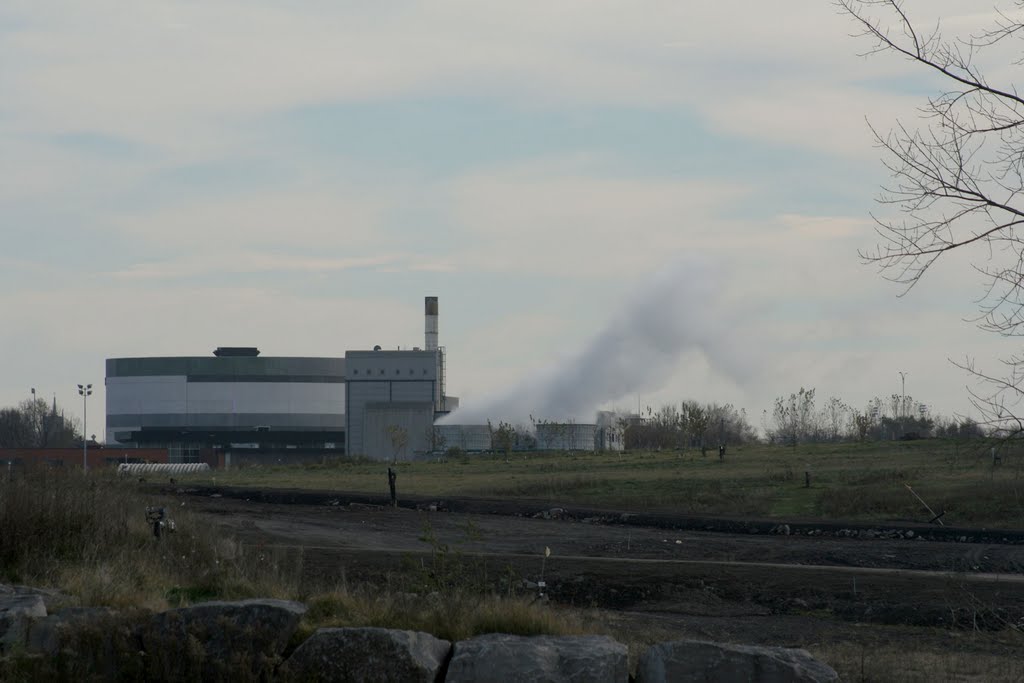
x=399, y=437
x=34, y=424
x=958, y=175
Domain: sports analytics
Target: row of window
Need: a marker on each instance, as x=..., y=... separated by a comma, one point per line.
x=381, y=372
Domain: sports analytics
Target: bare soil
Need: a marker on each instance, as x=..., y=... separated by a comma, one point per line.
x=653, y=578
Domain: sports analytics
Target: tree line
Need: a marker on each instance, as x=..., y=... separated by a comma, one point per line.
x=35, y=424
x=796, y=418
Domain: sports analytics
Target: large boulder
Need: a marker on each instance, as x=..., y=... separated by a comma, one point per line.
x=53, y=599
x=220, y=641
x=696, y=660
x=16, y=612
x=85, y=643
x=368, y=654
x=539, y=659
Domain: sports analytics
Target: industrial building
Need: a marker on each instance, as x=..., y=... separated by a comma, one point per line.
x=566, y=436
x=377, y=403
x=240, y=406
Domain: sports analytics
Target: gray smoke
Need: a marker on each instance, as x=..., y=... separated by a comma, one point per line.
x=677, y=312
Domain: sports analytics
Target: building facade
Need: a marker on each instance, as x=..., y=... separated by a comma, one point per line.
x=234, y=398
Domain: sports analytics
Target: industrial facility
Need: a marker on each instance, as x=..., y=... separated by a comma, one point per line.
x=382, y=404
x=376, y=403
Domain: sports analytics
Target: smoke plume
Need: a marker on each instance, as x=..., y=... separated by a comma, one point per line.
x=676, y=312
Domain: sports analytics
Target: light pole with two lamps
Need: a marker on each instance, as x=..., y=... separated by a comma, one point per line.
x=85, y=392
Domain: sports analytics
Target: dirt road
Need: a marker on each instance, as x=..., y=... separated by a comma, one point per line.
x=626, y=566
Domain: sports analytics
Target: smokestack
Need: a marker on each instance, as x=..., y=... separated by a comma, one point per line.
x=431, y=323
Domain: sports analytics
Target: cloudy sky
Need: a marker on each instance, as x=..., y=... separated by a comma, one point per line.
x=179, y=175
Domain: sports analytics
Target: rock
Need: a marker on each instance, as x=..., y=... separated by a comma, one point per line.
x=49, y=635
x=220, y=641
x=88, y=643
x=16, y=613
x=694, y=660
x=545, y=659
x=368, y=654
x=29, y=604
x=910, y=533
x=53, y=599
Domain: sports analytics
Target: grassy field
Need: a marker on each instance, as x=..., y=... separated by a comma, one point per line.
x=848, y=481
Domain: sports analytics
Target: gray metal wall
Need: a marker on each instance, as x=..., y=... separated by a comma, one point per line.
x=413, y=420
x=381, y=377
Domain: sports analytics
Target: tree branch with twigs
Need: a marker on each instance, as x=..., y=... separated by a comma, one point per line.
x=958, y=174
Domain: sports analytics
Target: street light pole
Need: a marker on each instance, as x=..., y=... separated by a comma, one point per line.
x=903, y=399
x=85, y=392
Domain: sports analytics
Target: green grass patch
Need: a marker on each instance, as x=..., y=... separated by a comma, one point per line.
x=855, y=480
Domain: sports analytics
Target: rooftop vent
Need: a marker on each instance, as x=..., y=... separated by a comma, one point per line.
x=236, y=351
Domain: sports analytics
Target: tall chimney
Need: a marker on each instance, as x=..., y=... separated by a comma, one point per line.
x=431, y=323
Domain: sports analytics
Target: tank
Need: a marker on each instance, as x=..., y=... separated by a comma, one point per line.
x=566, y=436
x=470, y=438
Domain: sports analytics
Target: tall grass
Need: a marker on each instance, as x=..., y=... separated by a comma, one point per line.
x=453, y=616
x=88, y=536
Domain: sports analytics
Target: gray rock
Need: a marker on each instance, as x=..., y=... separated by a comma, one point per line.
x=49, y=635
x=16, y=613
x=368, y=654
x=31, y=605
x=53, y=599
x=220, y=641
x=88, y=643
x=542, y=659
x=694, y=660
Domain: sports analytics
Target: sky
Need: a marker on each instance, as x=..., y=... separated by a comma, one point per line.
x=181, y=175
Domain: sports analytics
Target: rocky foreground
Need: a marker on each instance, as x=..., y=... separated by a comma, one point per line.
x=254, y=640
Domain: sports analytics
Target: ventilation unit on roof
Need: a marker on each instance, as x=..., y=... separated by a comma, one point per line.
x=233, y=351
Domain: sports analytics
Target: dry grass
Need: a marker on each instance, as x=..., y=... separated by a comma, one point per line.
x=451, y=616
x=88, y=537
x=881, y=664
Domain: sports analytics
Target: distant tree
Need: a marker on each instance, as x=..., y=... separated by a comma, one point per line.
x=34, y=424
x=862, y=424
x=793, y=418
x=503, y=438
x=835, y=419
x=436, y=439
x=399, y=437
x=16, y=431
x=696, y=419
